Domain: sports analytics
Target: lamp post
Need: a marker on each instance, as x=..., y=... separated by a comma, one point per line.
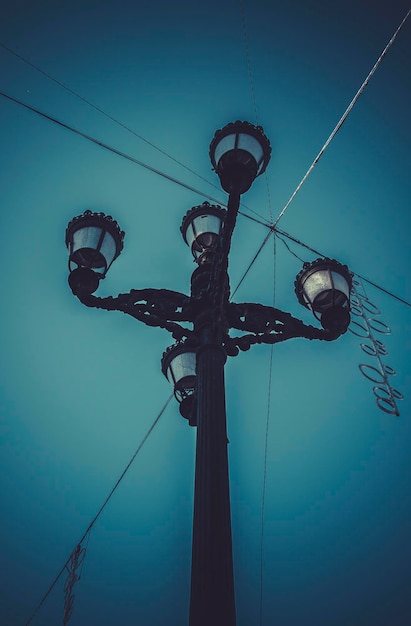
x=195, y=364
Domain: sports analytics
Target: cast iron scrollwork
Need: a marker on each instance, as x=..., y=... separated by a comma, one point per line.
x=267, y=325
x=154, y=307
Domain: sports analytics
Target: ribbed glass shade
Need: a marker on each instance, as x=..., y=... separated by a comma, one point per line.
x=93, y=247
x=201, y=228
x=239, y=153
x=179, y=366
x=94, y=240
x=240, y=141
x=324, y=287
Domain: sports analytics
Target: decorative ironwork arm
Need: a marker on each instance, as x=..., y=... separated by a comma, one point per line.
x=154, y=307
x=267, y=325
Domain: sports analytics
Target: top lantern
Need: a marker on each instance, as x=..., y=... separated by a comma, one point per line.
x=239, y=153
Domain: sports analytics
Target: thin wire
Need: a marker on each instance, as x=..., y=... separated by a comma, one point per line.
x=250, y=76
x=251, y=263
x=185, y=186
x=262, y=221
x=107, y=115
x=116, y=121
x=124, y=155
x=107, y=147
x=304, y=245
x=288, y=248
x=270, y=378
x=94, y=520
x=367, y=280
x=247, y=54
x=343, y=118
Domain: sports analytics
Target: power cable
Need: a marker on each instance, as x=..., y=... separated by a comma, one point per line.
x=343, y=118
x=277, y=236
x=247, y=54
x=119, y=152
x=253, y=97
x=251, y=264
x=116, y=121
x=267, y=424
x=185, y=186
x=107, y=115
x=107, y=147
x=367, y=280
x=99, y=512
x=304, y=245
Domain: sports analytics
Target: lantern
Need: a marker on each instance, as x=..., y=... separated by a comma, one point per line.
x=179, y=367
x=324, y=287
x=201, y=229
x=93, y=240
x=239, y=153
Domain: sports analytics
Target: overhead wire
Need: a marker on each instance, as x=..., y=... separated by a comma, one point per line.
x=124, y=155
x=270, y=376
x=106, y=146
x=267, y=425
x=180, y=183
x=325, y=146
x=119, y=123
x=367, y=280
x=102, y=507
x=251, y=264
x=277, y=236
x=343, y=118
x=247, y=54
x=107, y=115
x=272, y=227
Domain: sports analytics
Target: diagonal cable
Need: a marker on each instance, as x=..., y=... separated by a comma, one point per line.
x=270, y=232
x=99, y=512
x=107, y=115
x=122, y=154
x=267, y=424
x=185, y=186
x=343, y=118
x=247, y=54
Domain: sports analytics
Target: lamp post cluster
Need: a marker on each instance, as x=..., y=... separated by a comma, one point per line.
x=201, y=324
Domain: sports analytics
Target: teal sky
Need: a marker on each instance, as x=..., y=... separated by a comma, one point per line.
x=80, y=387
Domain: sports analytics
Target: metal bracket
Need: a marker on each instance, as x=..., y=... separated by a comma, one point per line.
x=267, y=325
x=154, y=307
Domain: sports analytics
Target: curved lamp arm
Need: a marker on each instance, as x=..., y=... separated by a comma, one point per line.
x=154, y=307
x=268, y=325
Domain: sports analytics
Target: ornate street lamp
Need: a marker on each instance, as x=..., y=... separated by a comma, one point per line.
x=239, y=153
x=201, y=324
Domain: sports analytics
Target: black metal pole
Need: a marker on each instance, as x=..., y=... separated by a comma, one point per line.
x=212, y=601
x=212, y=584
